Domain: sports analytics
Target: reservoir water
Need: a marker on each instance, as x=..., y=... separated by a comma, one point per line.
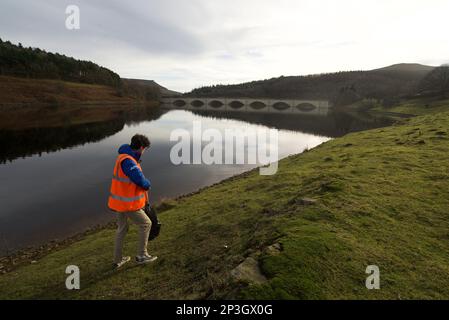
x=55, y=181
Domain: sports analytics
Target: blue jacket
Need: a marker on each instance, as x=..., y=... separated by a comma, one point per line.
x=131, y=170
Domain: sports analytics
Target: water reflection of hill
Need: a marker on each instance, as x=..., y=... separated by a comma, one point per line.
x=22, y=143
x=335, y=124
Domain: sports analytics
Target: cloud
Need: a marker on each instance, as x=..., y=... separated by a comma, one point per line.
x=186, y=44
x=254, y=53
x=137, y=24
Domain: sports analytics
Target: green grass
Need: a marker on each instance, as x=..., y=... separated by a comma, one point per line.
x=417, y=107
x=382, y=198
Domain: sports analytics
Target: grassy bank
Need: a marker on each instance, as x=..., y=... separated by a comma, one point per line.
x=417, y=107
x=381, y=197
x=27, y=91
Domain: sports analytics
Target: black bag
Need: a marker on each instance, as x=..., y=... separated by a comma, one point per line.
x=155, y=224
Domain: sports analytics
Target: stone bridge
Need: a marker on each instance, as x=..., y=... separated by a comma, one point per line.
x=312, y=107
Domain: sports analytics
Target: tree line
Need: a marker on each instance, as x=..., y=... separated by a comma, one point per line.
x=386, y=85
x=16, y=60
x=436, y=83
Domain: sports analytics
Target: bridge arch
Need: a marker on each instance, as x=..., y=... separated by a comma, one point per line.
x=197, y=103
x=216, y=104
x=180, y=103
x=257, y=105
x=306, y=106
x=281, y=106
x=236, y=104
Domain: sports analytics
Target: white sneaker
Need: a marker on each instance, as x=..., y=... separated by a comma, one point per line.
x=121, y=263
x=145, y=259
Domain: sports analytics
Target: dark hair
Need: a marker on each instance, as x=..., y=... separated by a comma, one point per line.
x=138, y=141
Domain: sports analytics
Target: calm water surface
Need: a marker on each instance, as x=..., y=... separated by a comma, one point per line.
x=55, y=182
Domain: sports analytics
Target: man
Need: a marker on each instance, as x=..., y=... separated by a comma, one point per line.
x=128, y=197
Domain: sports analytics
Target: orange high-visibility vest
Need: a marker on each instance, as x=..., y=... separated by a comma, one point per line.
x=125, y=195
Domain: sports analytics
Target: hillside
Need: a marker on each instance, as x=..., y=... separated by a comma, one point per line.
x=31, y=76
x=152, y=84
x=374, y=197
x=415, y=69
x=341, y=88
x=28, y=91
x=18, y=61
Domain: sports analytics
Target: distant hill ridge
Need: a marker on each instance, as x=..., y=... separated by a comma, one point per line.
x=407, y=67
x=340, y=88
x=151, y=83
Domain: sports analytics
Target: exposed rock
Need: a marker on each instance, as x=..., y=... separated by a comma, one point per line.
x=302, y=201
x=306, y=201
x=274, y=249
x=249, y=271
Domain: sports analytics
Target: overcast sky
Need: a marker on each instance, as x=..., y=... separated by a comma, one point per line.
x=183, y=44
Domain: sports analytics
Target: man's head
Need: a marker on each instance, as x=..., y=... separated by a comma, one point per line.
x=139, y=143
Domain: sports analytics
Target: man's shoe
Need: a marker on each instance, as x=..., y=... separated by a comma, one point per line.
x=121, y=263
x=145, y=259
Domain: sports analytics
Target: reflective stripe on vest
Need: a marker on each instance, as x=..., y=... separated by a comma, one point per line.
x=126, y=180
x=127, y=199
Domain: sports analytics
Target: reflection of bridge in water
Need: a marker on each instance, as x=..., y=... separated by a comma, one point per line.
x=311, y=107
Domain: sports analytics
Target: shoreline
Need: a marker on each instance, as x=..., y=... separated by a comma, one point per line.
x=31, y=254
x=11, y=261
x=331, y=209
x=19, y=257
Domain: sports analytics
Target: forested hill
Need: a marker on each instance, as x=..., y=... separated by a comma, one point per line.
x=341, y=88
x=16, y=60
